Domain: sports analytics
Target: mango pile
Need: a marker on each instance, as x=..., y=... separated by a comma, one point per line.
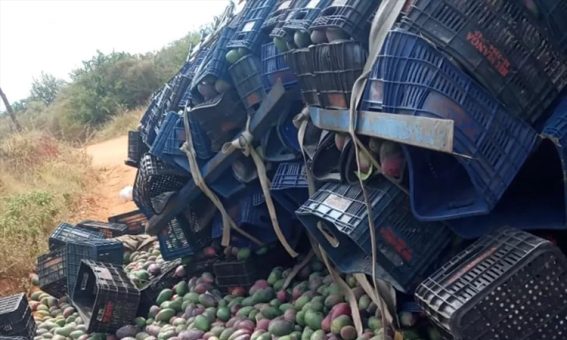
x=311, y=307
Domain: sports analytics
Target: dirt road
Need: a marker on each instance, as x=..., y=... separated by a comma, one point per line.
x=104, y=200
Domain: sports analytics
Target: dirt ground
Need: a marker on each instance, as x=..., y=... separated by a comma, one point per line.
x=104, y=199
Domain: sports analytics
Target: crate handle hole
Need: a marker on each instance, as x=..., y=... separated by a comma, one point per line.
x=324, y=229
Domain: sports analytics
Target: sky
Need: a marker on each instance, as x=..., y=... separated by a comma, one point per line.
x=54, y=36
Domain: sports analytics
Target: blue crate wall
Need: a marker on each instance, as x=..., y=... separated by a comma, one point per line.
x=66, y=232
x=303, y=15
x=350, y=16
x=248, y=32
x=274, y=67
x=406, y=248
x=412, y=77
x=537, y=198
x=214, y=63
x=107, y=251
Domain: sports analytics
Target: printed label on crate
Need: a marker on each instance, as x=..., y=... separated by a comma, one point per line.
x=490, y=52
x=465, y=269
x=312, y=4
x=402, y=253
x=249, y=26
x=339, y=3
x=58, y=261
x=284, y=5
x=337, y=202
x=104, y=315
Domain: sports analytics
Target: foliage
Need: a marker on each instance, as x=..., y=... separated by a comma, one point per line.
x=119, y=124
x=45, y=88
x=41, y=180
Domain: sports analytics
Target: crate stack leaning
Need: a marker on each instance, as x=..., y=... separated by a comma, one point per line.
x=458, y=165
x=460, y=111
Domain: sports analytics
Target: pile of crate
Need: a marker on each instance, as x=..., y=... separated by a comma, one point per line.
x=459, y=129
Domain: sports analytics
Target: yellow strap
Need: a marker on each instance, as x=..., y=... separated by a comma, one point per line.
x=244, y=144
x=297, y=269
x=227, y=221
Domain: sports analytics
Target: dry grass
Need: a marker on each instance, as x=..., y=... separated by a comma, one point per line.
x=119, y=125
x=41, y=181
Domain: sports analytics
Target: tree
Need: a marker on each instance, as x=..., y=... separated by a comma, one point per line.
x=45, y=88
x=10, y=111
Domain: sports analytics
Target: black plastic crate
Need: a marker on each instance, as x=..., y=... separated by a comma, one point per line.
x=498, y=45
x=136, y=148
x=150, y=291
x=248, y=33
x=246, y=75
x=406, y=248
x=220, y=118
x=550, y=15
x=107, y=251
x=303, y=15
x=350, y=16
x=66, y=232
x=243, y=273
x=154, y=180
x=108, y=229
x=301, y=61
x=337, y=65
x=412, y=77
x=274, y=67
x=51, y=272
x=135, y=220
x=188, y=232
x=16, y=319
x=507, y=285
x=104, y=297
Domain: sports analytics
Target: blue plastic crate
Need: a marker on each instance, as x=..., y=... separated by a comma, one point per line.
x=303, y=15
x=274, y=67
x=172, y=136
x=107, y=251
x=214, y=65
x=189, y=71
x=251, y=214
x=350, y=16
x=406, y=248
x=289, y=186
x=412, y=77
x=537, y=198
x=498, y=45
x=278, y=15
x=108, y=229
x=248, y=33
x=66, y=232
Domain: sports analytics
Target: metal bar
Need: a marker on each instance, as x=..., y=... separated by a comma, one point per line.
x=270, y=108
x=430, y=133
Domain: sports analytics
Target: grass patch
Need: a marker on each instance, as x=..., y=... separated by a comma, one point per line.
x=119, y=125
x=41, y=181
